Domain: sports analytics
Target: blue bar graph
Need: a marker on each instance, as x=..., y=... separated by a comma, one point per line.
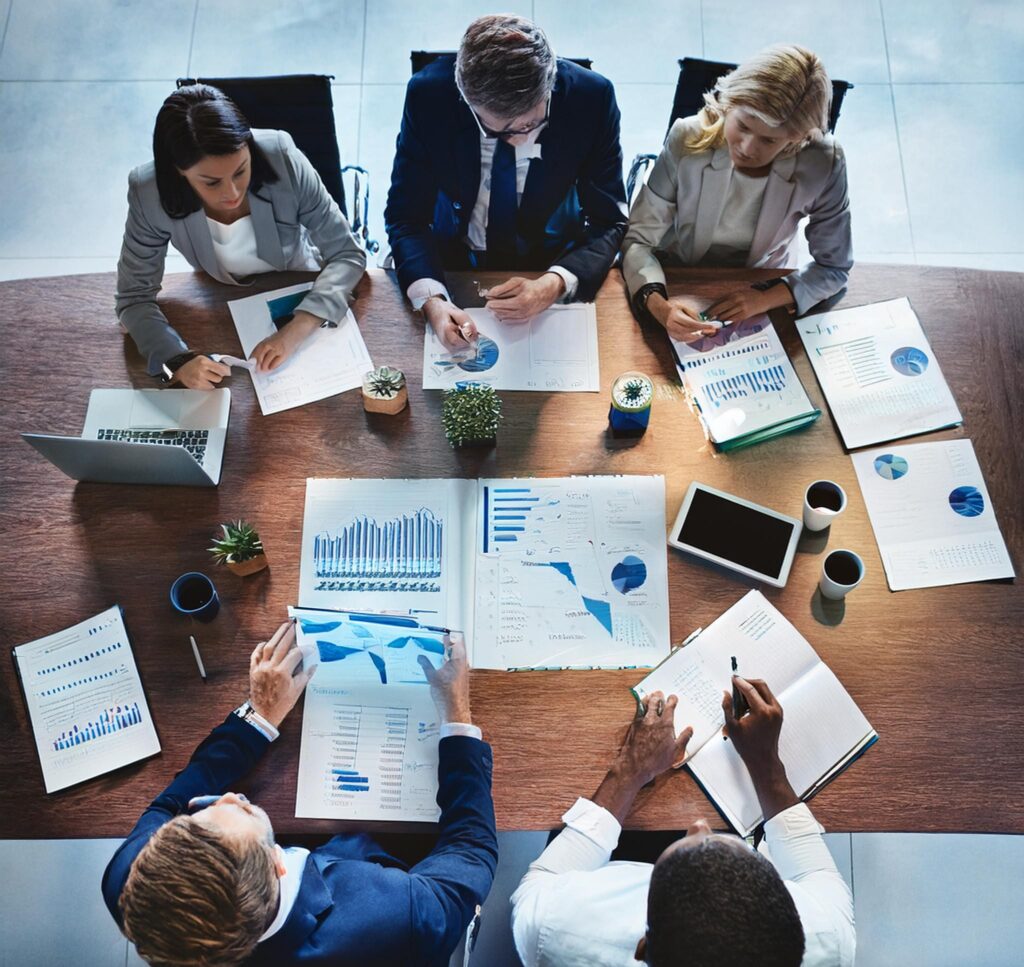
x=109, y=721
x=511, y=511
x=410, y=546
x=771, y=379
x=81, y=659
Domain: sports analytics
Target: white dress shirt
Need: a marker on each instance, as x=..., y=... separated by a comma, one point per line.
x=234, y=247
x=476, y=237
x=574, y=908
x=734, y=233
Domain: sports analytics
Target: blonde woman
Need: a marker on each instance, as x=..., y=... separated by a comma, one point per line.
x=730, y=188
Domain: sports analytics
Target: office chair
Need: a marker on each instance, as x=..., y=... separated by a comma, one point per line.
x=302, y=105
x=695, y=77
x=420, y=59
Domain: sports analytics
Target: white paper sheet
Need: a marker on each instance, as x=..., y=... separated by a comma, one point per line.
x=369, y=725
x=878, y=372
x=555, y=351
x=89, y=713
x=330, y=361
x=932, y=515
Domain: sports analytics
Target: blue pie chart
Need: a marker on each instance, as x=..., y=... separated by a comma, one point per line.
x=486, y=356
x=890, y=466
x=967, y=501
x=629, y=574
x=909, y=361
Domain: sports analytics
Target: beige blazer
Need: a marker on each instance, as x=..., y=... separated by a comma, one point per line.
x=676, y=213
x=293, y=212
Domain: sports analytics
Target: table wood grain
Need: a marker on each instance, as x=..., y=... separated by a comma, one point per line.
x=938, y=672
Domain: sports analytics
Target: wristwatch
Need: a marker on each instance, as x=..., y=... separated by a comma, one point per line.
x=171, y=367
x=770, y=284
x=643, y=294
x=246, y=712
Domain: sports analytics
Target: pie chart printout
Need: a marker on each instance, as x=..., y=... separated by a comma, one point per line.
x=967, y=501
x=909, y=361
x=890, y=466
x=486, y=356
x=629, y=574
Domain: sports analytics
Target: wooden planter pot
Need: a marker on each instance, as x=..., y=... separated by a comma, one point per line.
x=251, y=566
x=386, y=404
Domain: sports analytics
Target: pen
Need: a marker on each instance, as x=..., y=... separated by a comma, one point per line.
x=199, y=661
x=739, y=702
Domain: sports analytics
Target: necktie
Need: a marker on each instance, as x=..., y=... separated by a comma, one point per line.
x=501, y=211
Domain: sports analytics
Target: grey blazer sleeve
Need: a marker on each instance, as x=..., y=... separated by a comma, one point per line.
x=652, y=216
x=140, y=271
x=829, y=241
x=344, y=260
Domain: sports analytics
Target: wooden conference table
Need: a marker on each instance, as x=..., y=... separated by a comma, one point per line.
x=939, y=672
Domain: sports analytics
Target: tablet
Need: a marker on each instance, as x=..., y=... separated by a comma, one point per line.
x=736, y=534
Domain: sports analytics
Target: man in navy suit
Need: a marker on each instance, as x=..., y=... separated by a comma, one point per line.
x=508, y=158
x=200, y=879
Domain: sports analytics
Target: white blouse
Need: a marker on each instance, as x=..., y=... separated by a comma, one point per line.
x=234, y=247
x=734, y=234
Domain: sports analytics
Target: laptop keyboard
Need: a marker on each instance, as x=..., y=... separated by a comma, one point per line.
x=194, y=441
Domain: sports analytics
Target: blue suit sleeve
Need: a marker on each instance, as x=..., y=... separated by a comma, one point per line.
x=225, y=756
x=411, y=199
x=602, y=198
x=455, y=878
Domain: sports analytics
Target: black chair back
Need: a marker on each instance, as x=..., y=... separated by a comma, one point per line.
x=300, y=104
x=420, y=59
x=697, y=76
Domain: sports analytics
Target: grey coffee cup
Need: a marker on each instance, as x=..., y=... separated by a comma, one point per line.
x=841, y=572
x=824, y=501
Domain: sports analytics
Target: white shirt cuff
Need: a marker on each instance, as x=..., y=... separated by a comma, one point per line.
x=423, y=289
x=594, y=822
x=261, y=725
x=461, y=728
x=572, y=283
x=798, y=820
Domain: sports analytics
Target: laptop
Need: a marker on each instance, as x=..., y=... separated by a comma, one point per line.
x=145, y=436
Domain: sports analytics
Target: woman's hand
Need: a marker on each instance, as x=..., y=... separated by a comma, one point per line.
x=274, y=350
x=201, y=372
x=680, y=320
x=744, y=303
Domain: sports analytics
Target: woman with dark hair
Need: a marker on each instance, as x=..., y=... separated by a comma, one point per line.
x=236, y=203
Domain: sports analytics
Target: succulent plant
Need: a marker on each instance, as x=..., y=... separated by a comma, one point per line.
x=239, y=542
x=470, y=413
x=385, y=381
x=633, y=391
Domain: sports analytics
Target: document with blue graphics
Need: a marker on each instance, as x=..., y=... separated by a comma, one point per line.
x=369, y=726
x=538, y=573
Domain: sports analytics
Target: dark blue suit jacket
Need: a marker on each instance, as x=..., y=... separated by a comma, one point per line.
x=573, y=209
x=357, y=905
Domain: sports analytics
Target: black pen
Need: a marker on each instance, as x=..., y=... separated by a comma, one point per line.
x=739, y=701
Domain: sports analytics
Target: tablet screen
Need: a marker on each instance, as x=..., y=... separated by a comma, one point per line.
x=736, y=533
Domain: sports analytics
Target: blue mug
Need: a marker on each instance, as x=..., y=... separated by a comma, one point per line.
x=193, y=594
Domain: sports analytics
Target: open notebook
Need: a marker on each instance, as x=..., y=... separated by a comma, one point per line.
x=823, y=730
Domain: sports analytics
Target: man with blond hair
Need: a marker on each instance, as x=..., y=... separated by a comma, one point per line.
x=200, y=880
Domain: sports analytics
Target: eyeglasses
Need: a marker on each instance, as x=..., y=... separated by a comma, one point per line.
x=507, y=133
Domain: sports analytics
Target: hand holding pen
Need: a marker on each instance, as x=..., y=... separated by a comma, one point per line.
x=453, y=326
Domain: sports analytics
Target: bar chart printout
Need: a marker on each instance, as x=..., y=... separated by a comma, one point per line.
x=89, y=714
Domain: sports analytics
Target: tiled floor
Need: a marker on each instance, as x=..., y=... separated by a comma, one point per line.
x=934, y=134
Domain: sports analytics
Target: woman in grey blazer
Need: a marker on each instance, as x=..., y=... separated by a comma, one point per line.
x=730, y=188
x=235, y=202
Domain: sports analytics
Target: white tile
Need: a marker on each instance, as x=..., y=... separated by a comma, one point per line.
x=347, y=99
x=878, y=206
x=5, y=10
x=839, y=846
x=11, y=269
x=961, y=158
x=65, y=186
x=249, y=38
x=381, y=119
x=645, y=110
x=944, y=901
x=53, y=911
x=993, y=261
x=128, y=40
x=394, y=28
x=949, y=40
x=885, y=258
x=845, y=34
x=623, y=50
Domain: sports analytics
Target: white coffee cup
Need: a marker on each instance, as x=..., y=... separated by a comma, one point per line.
x=824, y=501
x=841, y=572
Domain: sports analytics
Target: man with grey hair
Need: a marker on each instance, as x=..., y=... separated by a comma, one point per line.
x=508, y=158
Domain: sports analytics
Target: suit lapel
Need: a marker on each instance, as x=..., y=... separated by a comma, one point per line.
x=714, y=187
x=313, y=899
x=268, y=241
x=467, y=156
x=774, y=208
x=202, y=245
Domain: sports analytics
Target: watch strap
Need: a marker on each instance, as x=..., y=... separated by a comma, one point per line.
x=641, y=296
x=172, y=365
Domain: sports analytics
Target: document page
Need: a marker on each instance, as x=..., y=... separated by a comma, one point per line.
x=553, y=352
x=878, y=372
x=741, y=380
x=330, y=361
x=571, y=572
x=89, y=713
x=932, y=514
x=369, y=727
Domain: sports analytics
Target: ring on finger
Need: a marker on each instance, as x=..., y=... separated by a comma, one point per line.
x=659, y=708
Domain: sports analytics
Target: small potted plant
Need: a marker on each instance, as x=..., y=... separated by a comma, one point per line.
x=470, y=415
x=384, y=391
x=240, y=548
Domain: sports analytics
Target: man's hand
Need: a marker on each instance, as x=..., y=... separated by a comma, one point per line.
x=201, y=372
x=756, y=737
x=449, y=684
x=274, y=687
x=650, y=748
x=518, y=299
x=274, y=350
x=680, y=320
x=452, y=325
x=744, y=303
